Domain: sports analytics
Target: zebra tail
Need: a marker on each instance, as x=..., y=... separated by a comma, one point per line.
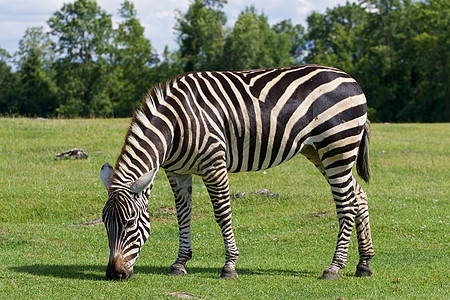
x=362, y=161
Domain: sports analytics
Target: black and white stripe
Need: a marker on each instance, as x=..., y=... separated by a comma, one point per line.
x=212, y=123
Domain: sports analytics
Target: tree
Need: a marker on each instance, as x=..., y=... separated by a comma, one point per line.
x=133, y=58
x=201, y=35
x=253, y=44
x=84, y=33
x=8, y=85
x=430, y=77
x=38, y=93
x=334, y=39
x=169, y=67
x=296, y=34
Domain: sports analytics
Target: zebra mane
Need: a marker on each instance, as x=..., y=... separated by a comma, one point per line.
x=142, y=115
x=150, y=103
x=155, y=96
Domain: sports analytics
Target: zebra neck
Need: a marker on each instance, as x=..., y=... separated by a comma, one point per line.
x=148, y=139
x=138, y=157
x=133, y=163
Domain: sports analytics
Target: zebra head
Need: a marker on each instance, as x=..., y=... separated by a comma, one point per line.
x=127, y=222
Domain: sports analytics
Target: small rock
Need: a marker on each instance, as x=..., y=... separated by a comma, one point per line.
x=237, y=195
x=262, y=192
x=266, y=192
x=74, y=153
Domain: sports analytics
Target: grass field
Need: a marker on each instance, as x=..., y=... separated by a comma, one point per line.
x=285, y=242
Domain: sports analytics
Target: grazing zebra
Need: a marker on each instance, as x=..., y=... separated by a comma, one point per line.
x=212, y=123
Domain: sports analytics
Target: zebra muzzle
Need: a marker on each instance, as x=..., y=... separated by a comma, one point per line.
x=117, y=269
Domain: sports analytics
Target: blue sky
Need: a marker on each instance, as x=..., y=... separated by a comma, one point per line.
x=157, y=16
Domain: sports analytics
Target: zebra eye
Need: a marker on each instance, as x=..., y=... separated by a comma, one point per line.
x=129, y=222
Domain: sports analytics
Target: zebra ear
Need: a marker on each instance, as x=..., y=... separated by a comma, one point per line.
x=106, y=173
x=143, y=182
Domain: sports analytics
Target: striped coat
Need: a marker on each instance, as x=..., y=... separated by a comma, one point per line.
x=212, y=123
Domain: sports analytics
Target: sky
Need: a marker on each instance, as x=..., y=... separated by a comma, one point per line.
x=156, y=16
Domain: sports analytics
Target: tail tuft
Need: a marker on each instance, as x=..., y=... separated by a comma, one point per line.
x=362, y=162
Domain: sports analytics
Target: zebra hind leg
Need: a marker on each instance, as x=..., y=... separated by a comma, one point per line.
x=346, y=208
x=338, y=168
x=182, y=190
x=345, y=225
x=216, y=181
x=365, y=246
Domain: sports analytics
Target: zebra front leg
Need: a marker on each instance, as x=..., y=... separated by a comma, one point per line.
x=182, y=190
x=216, y=181
x=365, y=246
x=346, y=208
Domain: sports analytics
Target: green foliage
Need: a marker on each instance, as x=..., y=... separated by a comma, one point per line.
x=284, y=242
x=9, y=83
x=38, y=93
x=201, y=35
x=84, y=32
x=285, y=30
x=396, y=49
x=133, y=56
x=253, y=44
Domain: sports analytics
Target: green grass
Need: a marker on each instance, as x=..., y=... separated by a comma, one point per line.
x=283, y=246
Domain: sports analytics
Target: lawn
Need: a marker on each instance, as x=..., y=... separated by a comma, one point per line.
x=285, y=242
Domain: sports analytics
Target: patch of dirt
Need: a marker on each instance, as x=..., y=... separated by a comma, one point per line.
x=320, y=214
x=164, y=214
x=181, y=295
x=261, y=192
x=167, y=210
x=92, y=222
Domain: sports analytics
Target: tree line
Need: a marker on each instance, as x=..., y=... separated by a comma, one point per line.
x=83, y=67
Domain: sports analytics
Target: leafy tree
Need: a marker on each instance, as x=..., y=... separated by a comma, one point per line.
x=396, y=49
x=84, y=33
x=253, y=44
x=334, y=38
x=169, y=67
x=201, y=35
x=430, y=43
x=383, y=68
x=37, y=95
x=395, y=65
x=133, y=58
x=296, y=34
x=8, y=85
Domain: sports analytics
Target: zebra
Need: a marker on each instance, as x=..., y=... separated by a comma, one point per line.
x=213, y=123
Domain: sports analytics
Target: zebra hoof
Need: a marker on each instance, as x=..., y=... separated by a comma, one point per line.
x=177, y=270
x=363, y=271
x=330, y=275
x=228, y=272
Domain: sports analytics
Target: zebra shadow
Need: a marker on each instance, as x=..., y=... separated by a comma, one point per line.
x=90, y=272
x=97, y=272
x=85, y=272
x=215, y=272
